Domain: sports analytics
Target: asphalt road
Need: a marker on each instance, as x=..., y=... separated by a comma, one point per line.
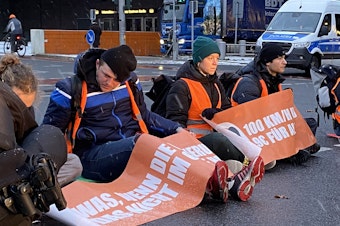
x=308, y=194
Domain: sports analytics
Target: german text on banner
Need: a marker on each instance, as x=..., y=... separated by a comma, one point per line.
x=163, y=176
x=273, y=123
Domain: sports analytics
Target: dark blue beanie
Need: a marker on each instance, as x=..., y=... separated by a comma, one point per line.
x=203, y=47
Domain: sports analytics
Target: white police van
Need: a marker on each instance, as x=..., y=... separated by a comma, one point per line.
x=308, y=31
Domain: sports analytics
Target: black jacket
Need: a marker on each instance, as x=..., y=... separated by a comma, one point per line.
x=249, y=89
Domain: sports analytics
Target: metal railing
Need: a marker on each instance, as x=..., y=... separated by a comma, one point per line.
x=241, y=49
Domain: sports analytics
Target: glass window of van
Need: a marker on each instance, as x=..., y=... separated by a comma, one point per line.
x=326, y=25
x=337, y=24
x=295, y=21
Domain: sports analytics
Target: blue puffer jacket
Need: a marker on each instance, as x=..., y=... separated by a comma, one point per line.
x=107, y=116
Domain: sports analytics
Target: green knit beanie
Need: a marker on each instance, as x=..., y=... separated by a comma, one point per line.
x=203, y=47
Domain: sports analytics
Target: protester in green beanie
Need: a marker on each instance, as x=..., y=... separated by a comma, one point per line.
x=203, y=47
x=196, y=93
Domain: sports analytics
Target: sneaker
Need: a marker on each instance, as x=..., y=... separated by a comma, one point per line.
x=217, y=187
x=245, y=180
x=270, y=165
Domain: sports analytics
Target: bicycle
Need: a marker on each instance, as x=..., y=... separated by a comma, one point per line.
x=19, y=42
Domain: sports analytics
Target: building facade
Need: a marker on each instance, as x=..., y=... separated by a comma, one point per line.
x=143, y=15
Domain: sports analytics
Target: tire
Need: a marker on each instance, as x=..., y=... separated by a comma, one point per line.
x=315, y=62
x=7, y=47
x=21, y=48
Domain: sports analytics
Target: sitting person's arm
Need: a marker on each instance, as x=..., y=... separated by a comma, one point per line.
x=246, y=90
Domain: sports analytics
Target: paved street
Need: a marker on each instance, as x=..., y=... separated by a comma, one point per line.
x=288, y=195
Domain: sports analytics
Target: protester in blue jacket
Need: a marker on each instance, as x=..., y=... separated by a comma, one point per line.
x=108, y=131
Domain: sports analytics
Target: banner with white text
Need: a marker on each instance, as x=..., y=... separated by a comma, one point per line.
x=272, y=123
x=163, y=176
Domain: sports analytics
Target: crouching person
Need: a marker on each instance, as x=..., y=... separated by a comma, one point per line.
x=30, y=155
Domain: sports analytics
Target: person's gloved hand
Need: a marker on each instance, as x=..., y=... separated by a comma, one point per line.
x=210, y=112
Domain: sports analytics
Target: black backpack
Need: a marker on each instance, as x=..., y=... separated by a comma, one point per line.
x=326, y=85
x=158, y=93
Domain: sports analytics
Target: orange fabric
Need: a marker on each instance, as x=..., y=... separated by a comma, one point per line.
x=279, y=128
x=136, y=111
x=234, y=103
x=332, y=91
x=163, y=176
x=336, y=114
x=200, y=100
x=73, y=126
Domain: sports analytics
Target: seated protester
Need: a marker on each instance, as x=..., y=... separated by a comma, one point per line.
x=266, y=78
x=27, y=151
x=198, y=91
x=108, y=129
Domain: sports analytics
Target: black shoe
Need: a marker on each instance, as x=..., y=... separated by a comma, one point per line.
x=313, y=149
x=300, y=157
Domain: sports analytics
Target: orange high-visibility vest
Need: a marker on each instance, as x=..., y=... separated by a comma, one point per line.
x=73, y=126
x=70, y=134
x=135, y=110
x=200, y=100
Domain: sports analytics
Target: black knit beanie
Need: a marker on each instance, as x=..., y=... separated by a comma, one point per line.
x=270, y=51
x=121, y=60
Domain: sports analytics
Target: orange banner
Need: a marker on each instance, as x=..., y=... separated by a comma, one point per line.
x=163, y=176
x=273, y=123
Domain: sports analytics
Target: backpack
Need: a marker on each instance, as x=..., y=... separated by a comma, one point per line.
x=326, y=85
x=158, y=93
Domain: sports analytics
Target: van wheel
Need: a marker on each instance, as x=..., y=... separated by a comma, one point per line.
x=315, y=62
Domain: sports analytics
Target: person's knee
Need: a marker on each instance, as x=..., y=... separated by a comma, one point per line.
x=70, y=171
x=47, y=139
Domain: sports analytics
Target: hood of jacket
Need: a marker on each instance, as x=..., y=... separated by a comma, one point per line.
x=86, y=67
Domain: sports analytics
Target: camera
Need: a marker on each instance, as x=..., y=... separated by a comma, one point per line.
x=33, y=195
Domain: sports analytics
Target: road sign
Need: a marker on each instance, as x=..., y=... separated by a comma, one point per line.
x=90, y=36
x=238, y=7
x=92, y=14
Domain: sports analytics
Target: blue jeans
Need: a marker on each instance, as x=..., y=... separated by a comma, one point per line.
x=106, y=162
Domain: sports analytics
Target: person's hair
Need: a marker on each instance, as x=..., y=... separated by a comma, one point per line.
x=16, y=74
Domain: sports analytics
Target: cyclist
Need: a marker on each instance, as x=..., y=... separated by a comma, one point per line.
x=14, y=28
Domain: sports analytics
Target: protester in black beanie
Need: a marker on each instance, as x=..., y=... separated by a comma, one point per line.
x=121, y=60
x=270, y=51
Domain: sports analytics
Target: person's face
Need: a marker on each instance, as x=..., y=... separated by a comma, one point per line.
x=208, y=65
x=277, y=66
x=106, y=79
x=28, y=99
